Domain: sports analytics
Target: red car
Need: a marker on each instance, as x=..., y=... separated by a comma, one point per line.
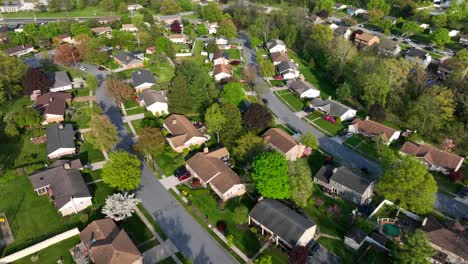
x=184, y=177
x=278, y=77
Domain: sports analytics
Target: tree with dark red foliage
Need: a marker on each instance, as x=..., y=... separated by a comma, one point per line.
x=176, y=27
x=66, y=55
x=36, y=79
x=457, y=175
x=257, y=118
x=377, y=112
x=298, y=255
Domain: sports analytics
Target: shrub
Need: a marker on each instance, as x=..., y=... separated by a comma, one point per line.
x=457, y=176
x=221, y=226
x=317, y=112
x=338, y=121
x=253, y=230
x=186, y=151
x=84, y=218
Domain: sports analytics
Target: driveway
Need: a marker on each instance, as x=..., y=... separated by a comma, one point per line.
x=451, y=207
x=186, y=234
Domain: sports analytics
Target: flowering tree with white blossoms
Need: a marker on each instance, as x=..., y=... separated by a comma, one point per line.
x=120, y=206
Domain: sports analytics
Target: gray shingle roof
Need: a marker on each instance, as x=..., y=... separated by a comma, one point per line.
x=220, y=54
x=60, y=136
x=274, y=43
x=125, y=58
x=341, y=31
x=286, y=65
x=60, y=79
x=151, y=96
x=300, y=86
x=345, y=177
x=281, y=220
x=356, y=234
x=65, y=183
x=142, y=76
x=416, y=53
x=330, y=106
x=32, y=62
x=388, y=44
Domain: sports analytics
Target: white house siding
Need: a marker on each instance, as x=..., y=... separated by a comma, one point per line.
x=289, y=76
x=295, y=153
x=307, y=236
x=278, y=48
x=350, y=114
x=143, y=86
x=311, y=93
x=52, y=118
x=62, y=88
x=236, y=190
x=75, y=205
x=158, y=108
x=220, y=76
x=61, y=152
x=212, y=30
x=221, y=61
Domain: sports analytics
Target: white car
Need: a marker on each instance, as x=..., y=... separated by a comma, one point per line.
x=83, y=68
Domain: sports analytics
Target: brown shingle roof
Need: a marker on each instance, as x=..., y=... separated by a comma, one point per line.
x=52, y=103
x=365, y=37
x=211, y=169
x=432, y=155
x=99, y=30
x=279, y=56
x=109, y=245
x=222, y=68
x=373, y=128
x=280, y=139
x=181, y=129
x=445, y=238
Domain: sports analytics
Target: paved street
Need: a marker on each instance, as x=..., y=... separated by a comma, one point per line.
x=450, y=206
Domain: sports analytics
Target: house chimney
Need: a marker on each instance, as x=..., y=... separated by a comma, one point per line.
x=66, y=166
x=335, y=170
x=424, y=221
x=51, y=99
x=60, y=126
x=329, y=97
x=367, y=117
x=205, y=150
x=174, y=121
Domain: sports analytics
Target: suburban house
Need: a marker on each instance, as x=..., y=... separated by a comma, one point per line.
x=127, y=60
x=183, y=134
x=343, y=31
x=155, y=101
x=303, y=88
x=108, y=19
x=450, y=244
x=221, y=41
x=61, y=81
x=276, y=45
x=314, y=19
x=355, y=238
x=167, y=20
x=212, y=27
x=435, y=159
x=129, y=28
x=371, y=128
x=9, y=8
x=389, y=47
x=334, y=108
x=63, y=183
x=339, y=6
x=279, y=140
x=52, y=106
x=365, y=40
x=220, y=57
x=418, y=56
x=150, y=50
x=278, y=57
x=32, y=62
x=134, y=7
x=446, y=66
x=354, y=11
x=99, y=31
x=65, y=38
x=19, y=50
x=286, y=227
x=464, y=39
x=105, y=243
x=345, y=183
x=212, y=168
x=60, y=141
x=139, y=54
x=179, y=38
x=288, y=70
x=222, y=71
x=142, y=79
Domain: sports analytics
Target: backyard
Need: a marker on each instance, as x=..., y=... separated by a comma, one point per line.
x=90, y=153
x=294, y=103
x=53, y=253
x=338, y=248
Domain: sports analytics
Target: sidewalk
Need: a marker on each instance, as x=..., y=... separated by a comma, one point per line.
x=96, y=165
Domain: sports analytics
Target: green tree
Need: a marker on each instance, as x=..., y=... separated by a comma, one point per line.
x=309, y=140
x=103, y=132
x=410, y=28
x=12, y=70
x=248, y=147
x=27, y=117
x=215, y=119
x=440, y=37
x=170, y=7
x=270, y=175
x=227, y=28
x=257, y=118
x=149, y=140
x=107, y=5
x=344, y=91
x=267, y=68
x=10, y=130
x=266, y=259
x=232, y=129
x=408, y=183
x=415, y=250
x=179, y=97
x=119, y=90
x=55, y=5
x=432, y=110
x=232, y=94
x=439, y=21
x=386, y=25
x=80, y=29
x=381, y=5
x=328, y=5
x=122, y=171
x=212, y=12
x=241, y=214
x=186, y=5
x=165, y=45
x=321, y=34
x=300, y=180
x=202, y=30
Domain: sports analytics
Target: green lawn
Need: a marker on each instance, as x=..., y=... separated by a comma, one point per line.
x=83, y=114
x=53, y=253
x=148, y=245
x=368, y=149
x=137, y=125
x=290, y=99
x=316, y=161
x=334, y=129
x=354, y=140
x=447, y=184
x=129, y=103
x=134, y=111
x=136, y=229
x=86, y=12
x=92, y=175
x=338, y=248
x=315, y=77
x=277, y=256
x=234, y=54
x=207, y=204
x=162, y=71
x=277, y=82
x=168, y=160
x=313, y=115
x=90, y=153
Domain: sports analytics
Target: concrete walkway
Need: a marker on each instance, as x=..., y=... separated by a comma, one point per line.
x=133, y=117
x=264, y=247
x=84, y=130
x=170, y=182
x=96, y=165
x=132, y=129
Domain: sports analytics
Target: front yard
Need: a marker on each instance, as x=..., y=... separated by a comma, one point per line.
x=168, y=160
x=331, y=128
x=363, y=145
x=338, y=248
x=234, y=54
x=294, y=103
x=82, y=113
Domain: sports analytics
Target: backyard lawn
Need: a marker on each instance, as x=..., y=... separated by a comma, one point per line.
x=168, y=160
x=277, y=256
x=207, y=204
x=338, y=248
x=294, y=103
x=354, y=140
x=90, y=153
x=447, y=184
x=234, y=54
x=53, y=253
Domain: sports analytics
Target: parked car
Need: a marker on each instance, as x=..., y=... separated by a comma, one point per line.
x=83, y=68
x=184, y=177
x=429, y=48
x=278, y=77
x=405, y=42
x=265, y=101
x=181, y=170
x=101, y=68
x=279, y=85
